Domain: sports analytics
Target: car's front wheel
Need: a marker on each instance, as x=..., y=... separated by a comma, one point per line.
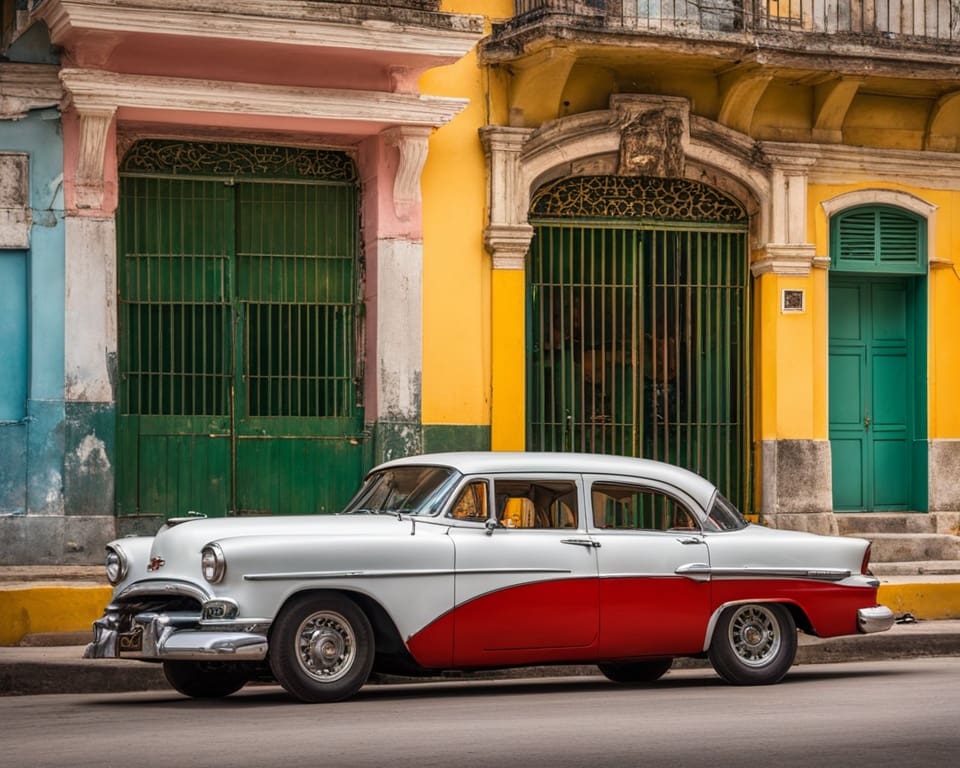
x=206, y=679
x=636, y=671
x=754, y=644
x=322, y=648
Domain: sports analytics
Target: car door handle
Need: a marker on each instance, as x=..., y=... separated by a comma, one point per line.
x=690, y=540
x=582, y=542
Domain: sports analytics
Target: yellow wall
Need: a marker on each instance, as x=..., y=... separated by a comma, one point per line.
x=456, y=267
x=791, y=359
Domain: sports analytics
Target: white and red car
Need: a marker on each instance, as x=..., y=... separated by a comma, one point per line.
x=481, y=560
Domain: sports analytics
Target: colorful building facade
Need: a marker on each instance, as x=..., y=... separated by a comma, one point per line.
x=290, y=240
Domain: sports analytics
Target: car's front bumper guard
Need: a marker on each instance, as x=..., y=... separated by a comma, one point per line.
x=173, y=636
x=879, y=618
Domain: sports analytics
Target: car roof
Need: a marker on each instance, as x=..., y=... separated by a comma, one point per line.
x=488, y=462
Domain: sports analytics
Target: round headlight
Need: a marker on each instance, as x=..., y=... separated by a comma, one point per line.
x=212, y=563
x=116, y=564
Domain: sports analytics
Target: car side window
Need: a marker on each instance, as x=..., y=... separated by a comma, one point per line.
x=536, y=503
x=471, y=504
x=622, y=506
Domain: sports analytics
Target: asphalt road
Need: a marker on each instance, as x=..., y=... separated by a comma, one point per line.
x=891, y=713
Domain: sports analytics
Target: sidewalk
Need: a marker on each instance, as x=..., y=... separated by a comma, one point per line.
x=61, y=669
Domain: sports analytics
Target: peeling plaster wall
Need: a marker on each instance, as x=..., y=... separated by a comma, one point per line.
x=32, y=445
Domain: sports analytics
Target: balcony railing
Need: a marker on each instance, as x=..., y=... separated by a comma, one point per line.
x=936, y=21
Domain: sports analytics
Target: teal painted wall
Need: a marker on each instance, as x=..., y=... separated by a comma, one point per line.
x=32, y=296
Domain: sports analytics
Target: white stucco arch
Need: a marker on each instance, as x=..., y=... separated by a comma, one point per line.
x=522, y=160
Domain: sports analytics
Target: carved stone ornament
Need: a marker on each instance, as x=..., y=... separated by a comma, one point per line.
x=652, y=141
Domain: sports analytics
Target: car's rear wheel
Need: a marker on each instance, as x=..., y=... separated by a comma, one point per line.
x=206, y=679
x=636, y=671
x=754, y=644
x=322, y=648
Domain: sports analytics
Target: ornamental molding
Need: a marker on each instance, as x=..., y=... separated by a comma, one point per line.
x=430, y=35
x=654, y=135
x=94, y=130
x=24, y=87
x=98, y=90
x=785, y=260
x=508, y=245
x=412, y=143
x=835, y=164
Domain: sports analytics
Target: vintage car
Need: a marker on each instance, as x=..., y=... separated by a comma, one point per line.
x=483, y=560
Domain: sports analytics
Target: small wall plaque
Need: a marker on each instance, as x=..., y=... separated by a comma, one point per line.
x=793, y=301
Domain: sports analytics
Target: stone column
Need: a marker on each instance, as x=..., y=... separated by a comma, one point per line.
x=507, y=238
x=791, y=365
x=393, y=245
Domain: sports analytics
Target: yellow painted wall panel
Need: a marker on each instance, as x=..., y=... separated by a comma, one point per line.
x=456, y=267
x=31, y=610
x=508, y=428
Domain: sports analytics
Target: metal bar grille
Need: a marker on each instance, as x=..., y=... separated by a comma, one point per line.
x=640, y=345
x=175, y=340
x=296, y=286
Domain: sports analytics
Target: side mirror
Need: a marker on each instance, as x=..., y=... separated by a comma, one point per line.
x=491, y=525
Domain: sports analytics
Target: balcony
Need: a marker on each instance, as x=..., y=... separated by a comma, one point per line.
x=889, y=48
x=870, y=22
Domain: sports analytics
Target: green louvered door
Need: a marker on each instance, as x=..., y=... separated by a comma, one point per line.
x=877, y=363
x=237, y=325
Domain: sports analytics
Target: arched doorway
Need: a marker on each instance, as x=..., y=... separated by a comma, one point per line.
x=239, y=384
x=639, y=324
x=877, y=378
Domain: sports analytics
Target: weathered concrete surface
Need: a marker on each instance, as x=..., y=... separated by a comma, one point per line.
x=797, y=493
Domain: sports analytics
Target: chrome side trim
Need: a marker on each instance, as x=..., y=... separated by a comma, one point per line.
x=879, y=618
x=762, y=571
x=321, y=575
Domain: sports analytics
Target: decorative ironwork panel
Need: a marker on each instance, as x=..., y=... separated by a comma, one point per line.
x=239, y=160
x=636, y=197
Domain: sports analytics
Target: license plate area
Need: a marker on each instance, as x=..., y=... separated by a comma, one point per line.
x=132, y=641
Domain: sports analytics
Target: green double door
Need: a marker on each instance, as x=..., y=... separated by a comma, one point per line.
x=238, y=382
x=876, y=393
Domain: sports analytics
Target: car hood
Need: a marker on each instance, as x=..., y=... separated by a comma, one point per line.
x=175, y=550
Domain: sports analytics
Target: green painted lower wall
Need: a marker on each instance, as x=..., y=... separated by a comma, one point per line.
x=455, y=437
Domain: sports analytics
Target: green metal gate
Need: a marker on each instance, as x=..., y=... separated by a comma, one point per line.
x=238, y=308
x=639, y=314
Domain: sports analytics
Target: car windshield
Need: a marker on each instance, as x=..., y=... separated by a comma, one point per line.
x=724, y=516
x=404, y=490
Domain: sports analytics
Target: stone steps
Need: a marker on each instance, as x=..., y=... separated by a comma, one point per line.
x=865, y=523
x=907, y=543
x=912, y=547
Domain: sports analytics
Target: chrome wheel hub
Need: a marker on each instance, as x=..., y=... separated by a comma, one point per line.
x=755, y=635
x=326, y=646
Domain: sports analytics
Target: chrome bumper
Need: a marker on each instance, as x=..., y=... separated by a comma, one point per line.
x=162, y=636
x=876, y=619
